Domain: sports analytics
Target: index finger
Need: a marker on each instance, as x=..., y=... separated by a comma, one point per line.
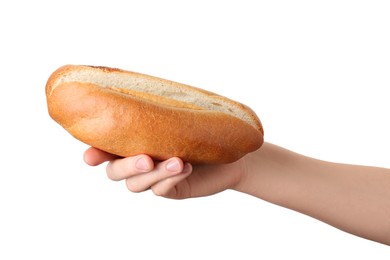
x=94, y=156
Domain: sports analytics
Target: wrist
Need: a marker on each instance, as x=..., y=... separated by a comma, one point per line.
x=250, y=166
x=240, y=174
x=270, y=173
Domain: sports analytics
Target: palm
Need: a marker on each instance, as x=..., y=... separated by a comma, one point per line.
x=204, y=180
x=207, y=180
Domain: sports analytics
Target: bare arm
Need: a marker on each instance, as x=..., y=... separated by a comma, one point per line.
x=353, y=198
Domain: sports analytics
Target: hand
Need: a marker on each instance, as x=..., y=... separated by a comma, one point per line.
x=172, y=178
x=349, y=197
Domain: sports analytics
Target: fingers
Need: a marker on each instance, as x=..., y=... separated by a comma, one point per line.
x=127, y=167
x=161, y=173
x=169, y=187
x=141, y=174
x=94, y=156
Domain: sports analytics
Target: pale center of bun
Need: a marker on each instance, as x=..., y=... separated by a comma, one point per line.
x=129, y=81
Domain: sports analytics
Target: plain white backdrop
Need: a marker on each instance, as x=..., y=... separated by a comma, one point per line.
x=315, y=72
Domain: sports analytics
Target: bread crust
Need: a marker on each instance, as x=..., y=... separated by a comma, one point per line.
x=127, y=125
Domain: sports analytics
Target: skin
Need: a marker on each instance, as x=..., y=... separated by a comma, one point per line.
x=353, y=198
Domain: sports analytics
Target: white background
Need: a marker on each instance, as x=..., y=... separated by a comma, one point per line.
x=315, y=72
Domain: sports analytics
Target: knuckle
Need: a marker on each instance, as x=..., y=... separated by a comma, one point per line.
x=109, y=170
x=159, y=192
x=132, y=186
x=169, y=182
x=166, y=189
x=110, y=173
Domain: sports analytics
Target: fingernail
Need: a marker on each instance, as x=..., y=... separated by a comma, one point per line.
x=142, y=164
x=173, y=166
x=187, y=168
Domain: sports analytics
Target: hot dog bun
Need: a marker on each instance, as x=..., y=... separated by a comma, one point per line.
x=127, y=113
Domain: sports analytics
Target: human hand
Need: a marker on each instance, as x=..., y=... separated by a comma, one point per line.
x=172, y=178
x=352, y=198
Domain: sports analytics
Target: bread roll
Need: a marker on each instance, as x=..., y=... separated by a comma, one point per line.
x=127, y=113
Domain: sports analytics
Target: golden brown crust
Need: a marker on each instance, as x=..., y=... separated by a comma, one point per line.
x=127, y=125
x=158, y=99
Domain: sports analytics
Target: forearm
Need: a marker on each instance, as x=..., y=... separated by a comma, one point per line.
x=353, y=198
